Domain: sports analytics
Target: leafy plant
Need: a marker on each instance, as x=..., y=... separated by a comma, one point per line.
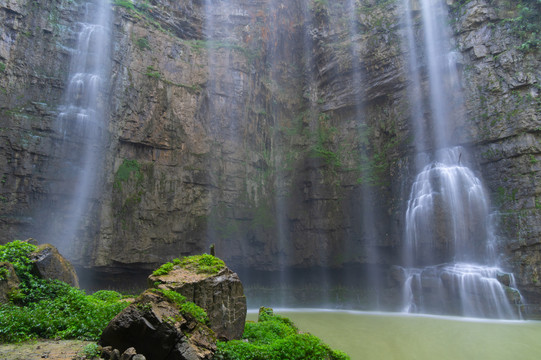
x=4, y=273
x=152, y=72
x=164, y=269
x=51, y=308
x=527, y=24
x=91, y=351
x=274, y=337
x=16, y=253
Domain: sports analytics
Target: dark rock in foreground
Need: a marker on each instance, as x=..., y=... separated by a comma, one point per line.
x=154, y=326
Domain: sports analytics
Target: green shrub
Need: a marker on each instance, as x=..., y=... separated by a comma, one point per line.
x=164, y=269
x=4, y=273
x=16, y=252
x=91, y=351
x=51, y=308
x=54, y=309
x=274, y=338
x=107, y=295
x=527, y=24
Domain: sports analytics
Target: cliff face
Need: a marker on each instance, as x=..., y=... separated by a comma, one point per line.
x=278, y=130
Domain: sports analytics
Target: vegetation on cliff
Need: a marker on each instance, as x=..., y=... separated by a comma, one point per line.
x=275, y=337
x=42, y=308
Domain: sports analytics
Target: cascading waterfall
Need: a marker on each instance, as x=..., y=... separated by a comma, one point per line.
x=449, y=238
x=82, y=125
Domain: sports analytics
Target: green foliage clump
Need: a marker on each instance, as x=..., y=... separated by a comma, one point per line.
x=185, y=307
x=164, y=269
x=125, y=4
x=324, y=135
x=152, y=72
x=91, y=351
x=143, y=44
x=124, y=172
x=527, y=24
x=4, y=273
x=51, y=308
x=274, y=337
x=16, y=253
x=201, y=264
x=2, y=67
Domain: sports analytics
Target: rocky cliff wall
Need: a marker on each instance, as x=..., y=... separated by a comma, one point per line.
x=278, y=130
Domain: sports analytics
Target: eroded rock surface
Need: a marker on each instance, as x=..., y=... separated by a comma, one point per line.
x=220, y=295
x=8, y=281
x=155, y=328
x=48, y=263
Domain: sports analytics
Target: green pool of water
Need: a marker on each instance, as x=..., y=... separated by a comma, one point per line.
x=383, y=336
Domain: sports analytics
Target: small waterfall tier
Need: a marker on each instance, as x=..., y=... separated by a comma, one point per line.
x=448, y=236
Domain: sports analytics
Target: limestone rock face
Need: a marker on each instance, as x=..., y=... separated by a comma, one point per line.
x=48, y=263
x=154, y=327
x=8, y=281
x=220, y=295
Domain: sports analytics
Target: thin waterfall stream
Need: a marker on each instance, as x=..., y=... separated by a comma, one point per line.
x=82, y=127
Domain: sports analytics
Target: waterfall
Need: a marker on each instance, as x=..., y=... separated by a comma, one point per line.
x=82, y=127
x=450, y=265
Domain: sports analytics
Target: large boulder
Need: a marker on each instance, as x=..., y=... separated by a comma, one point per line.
x=221, y=295
x=157, y=329
x=49, y=264
x=8, y=281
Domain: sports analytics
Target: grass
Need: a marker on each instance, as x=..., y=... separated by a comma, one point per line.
x=201, y=264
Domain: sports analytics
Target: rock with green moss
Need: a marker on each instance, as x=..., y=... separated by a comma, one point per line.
x=8, y=281
x=159, y=326
x=206, y=281
x=48, y=263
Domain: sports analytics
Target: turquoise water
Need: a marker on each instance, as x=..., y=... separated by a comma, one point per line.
x=385, y=336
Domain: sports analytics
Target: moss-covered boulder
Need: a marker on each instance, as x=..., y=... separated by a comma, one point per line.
x=48, y=263
x=8, y=281
x=206, y=281
x=161, y=325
